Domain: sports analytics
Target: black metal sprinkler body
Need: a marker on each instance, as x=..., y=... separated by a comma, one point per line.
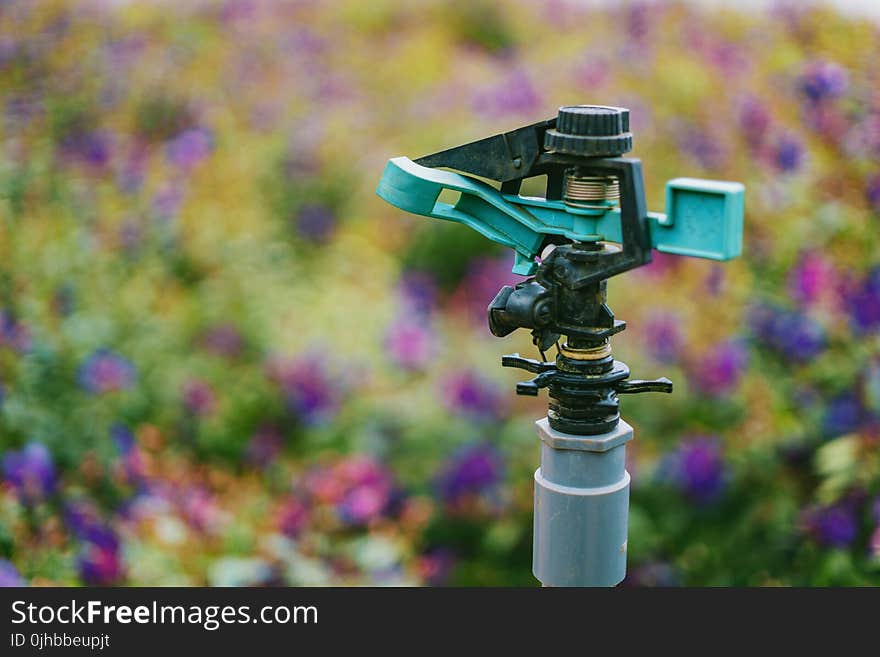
x=591, y=224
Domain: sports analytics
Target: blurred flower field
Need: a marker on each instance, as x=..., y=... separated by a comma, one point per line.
x=224, y=361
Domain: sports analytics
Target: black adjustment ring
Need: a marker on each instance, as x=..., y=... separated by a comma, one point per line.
x=590, y=131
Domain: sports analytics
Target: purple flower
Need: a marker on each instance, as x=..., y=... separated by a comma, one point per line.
x=513, y=94
x=702, y=147
x=199, y=398
x=805, y=339
x=823, y=81
x=364, y=490
x=13, y=334
x=719, y=370
x=358, y=488
x=200, y=509
x=435, y=566
x=861, y=299
x=874, y=544
x=131, y=466
x=793, y=335
x=293, y=517
x=122, y=53
x=364, y=502
x=80, y=516
x=730, y=58
x=820, y=85
x=715, y=281
x=473, y=470
x=316, y=223
x=101, y=536
x=863, y=135
x=472, y=396
x=105, y=371
x=189, y=148
x=639, y=19
x=300, y=163
x=167, y=201
x=654, y=574
x=660, y=265
x=844, y=414
x=697, y=469
x=20, y=110
x=663, y=337
x=93, y=147
x=238, y=10
x=30, y=471
x=788, y=154
x=410, y=343
x=99, y=562
x=418, y=292
x=754, y=122
x=832, y=526
x=308, y=388
x=122, y=438
x=810, y=277
x=484, y=277
x=133, y=172
x=592, y=72
x=829, y=122
x=9, y=576
x=223, y=340
x=872, y=193
x=306, y=42
x=264, y=446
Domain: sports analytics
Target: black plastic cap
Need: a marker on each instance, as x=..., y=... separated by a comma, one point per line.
x=590, y=131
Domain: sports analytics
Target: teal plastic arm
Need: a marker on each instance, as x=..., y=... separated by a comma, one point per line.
x=703, y=219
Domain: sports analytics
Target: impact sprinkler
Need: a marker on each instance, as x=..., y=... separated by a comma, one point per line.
x=591, y=224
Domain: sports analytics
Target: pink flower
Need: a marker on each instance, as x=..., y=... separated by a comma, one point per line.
x=364, y=502
x=660, y=265
x=514, y=94
x=718, y=372
x=200, y=509
x=358, y=487
x=754, y=122
x=436, y=566
x=199, y=398
x=105, y=371
x=663, y=337
x=223, y=340
x=190, y=147
x=293, y=516
x=813, y=275
x=264, y=446
x=473, y=396
x=484, y=277
x=309, y=390
x=13, y=334
x=410, y=344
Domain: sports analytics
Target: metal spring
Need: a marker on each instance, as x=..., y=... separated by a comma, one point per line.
x=593, y=353
x=590, y=192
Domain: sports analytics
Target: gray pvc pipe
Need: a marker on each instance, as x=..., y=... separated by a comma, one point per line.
x=581, y=507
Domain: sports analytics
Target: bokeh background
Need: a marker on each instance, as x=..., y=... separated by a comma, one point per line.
x=224, y=361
